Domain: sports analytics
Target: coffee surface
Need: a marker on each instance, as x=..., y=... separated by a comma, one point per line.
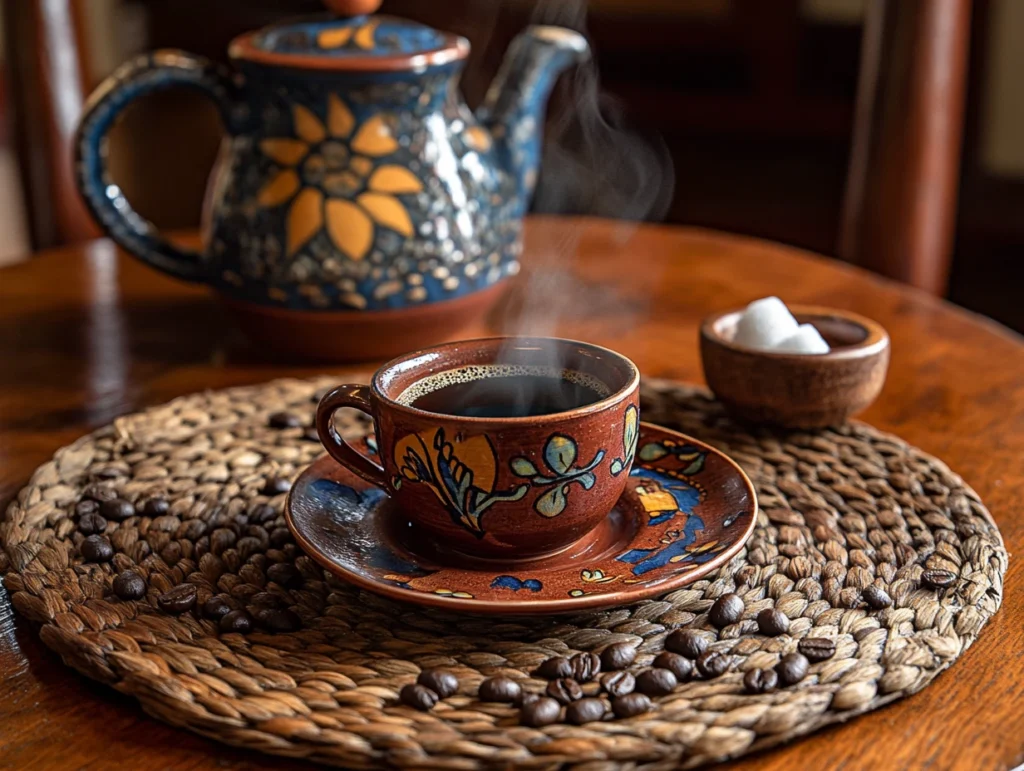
x=510, y=396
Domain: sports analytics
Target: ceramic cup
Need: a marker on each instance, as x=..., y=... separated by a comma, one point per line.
x=464, y=463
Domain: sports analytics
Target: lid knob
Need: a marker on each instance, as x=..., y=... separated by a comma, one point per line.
x=352, y=7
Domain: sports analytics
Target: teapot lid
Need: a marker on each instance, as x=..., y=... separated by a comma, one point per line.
x=363, y=42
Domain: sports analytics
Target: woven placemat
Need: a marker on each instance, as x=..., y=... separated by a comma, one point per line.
x=841, y=509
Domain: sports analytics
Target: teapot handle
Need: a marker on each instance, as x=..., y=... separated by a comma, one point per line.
x=146, y=74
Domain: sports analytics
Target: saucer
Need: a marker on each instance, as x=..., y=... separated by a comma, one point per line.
x=686, y=511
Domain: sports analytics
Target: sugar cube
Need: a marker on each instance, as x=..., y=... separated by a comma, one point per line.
x=806, y=340
x=764, y=324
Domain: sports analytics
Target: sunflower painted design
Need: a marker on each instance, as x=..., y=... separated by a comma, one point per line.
x=331, y=180
x=359, y=37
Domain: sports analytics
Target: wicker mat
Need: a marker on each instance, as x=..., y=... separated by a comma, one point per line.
x=841, y=510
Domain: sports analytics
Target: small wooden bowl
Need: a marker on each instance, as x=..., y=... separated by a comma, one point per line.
x=792, y=389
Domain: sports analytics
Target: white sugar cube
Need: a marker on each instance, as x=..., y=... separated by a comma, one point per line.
x=806, y=340
x=764, y=324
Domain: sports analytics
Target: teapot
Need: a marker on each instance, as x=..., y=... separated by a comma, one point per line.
x=358, y=208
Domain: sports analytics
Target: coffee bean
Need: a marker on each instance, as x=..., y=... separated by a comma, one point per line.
x=280, y=537
x=564, y=690
x=236, y=621
x=443, y=683
x=180, y=599
x=656, y=682
x=585, y=666
x=583, y=711
x=130, y=586
x=792, y=668
x=554, y=668
x=728, y=609
x=96, y=548
x=216, y=608
x=618, y=656
x=526, y=698
x=284, y=420
x=936, y=578
x=117, y=510
x=86, y=507
x=540, y=712
x=712, y=664
x=760, y=681
x=311, y=435
x=99, y=493
x=503, y=689
x=678, y=665
x=817, y=648
x=156, y=507
x=618, y=683
x=276, y=486
x=418, y=696
x=686, y=642
x=772, y=622
x=285, y=574
x=91, y=524
x=876, y=597
x=631, y=705
x=278, y=620
x=262, y=514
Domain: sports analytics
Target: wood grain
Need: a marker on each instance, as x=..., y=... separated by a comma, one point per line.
x=87, y=335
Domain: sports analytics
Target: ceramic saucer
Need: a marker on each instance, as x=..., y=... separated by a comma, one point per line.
x=686, y=511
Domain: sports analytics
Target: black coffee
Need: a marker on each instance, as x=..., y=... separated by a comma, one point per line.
x=514, y=396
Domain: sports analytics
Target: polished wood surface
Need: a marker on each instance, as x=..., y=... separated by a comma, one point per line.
x=87, y=335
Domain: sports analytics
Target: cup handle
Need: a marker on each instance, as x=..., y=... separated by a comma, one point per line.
x=357, y=397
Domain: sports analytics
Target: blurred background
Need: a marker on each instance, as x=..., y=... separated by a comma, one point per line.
x=753, y=103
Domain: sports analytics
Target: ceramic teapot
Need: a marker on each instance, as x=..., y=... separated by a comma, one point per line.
x=358, y=208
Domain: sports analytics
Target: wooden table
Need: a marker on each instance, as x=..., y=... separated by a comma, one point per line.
x=87, y=334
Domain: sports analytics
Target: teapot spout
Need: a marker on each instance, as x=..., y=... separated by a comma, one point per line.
x=514, y=108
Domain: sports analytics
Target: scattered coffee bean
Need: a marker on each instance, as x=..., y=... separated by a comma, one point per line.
x=311, y=435
x=418, y=696
x=876, y=597
x=526, y=698
x=936, y=578
x=678, y=665
x=443, y=683
x=284, y=420
x=585, y=666
x=156, y=507
x=117, y=510
x=686, y=642
x=618, y=683
x=236, y=621
x=618, y=656
x=278, y=619
x=91, y=524
x=216, y=608
x=817, y=648
x=130, y=586
x=772, y=622
x=728, y=609
x=631, y=705
x=713, y=663
x=262, y=514
x=792, y=668
x=285, y=574
x=99, y=493
x=656, y=682
x=276, y=486
x=86, y=507
x=564, y=690
x=540, y=712
x=96, y=548
x=554, y=668
x=760, y=681
x=503, y=689
x=280, y=537
x=180, y=599
x=585, y=711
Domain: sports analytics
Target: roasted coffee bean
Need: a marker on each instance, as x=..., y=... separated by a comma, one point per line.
x=285, y=574
x=91, y=524
x=278, y=620
x=130, y=586
x=99, y=493
x=418, y=696
x=554, y=668
x=276, y=486
x=678, y=665
x=216, y=608
x=618, y=683
x=772, y=622
x=686, y=642
x=280, y=537
x=86, y=507
x=156, y=507
x=443, y=683
x=311, y=435
x=712, y=664
x=792, y=668
x=631, y=705
x=540, y=712
x=180, y=599
x=503, y=689
x=585, y=667
x=656, y=682
x=236, y=621
x=284, y=420
x=263, y=514
x=876, y=597
x=583, y=711
x=117, y=510
x=96, y=548
x=760, y=681
x=936, y=578
x=526, y=698
x=564, y=690
x=728, y=609
x=617, y=656
x=817, y=648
